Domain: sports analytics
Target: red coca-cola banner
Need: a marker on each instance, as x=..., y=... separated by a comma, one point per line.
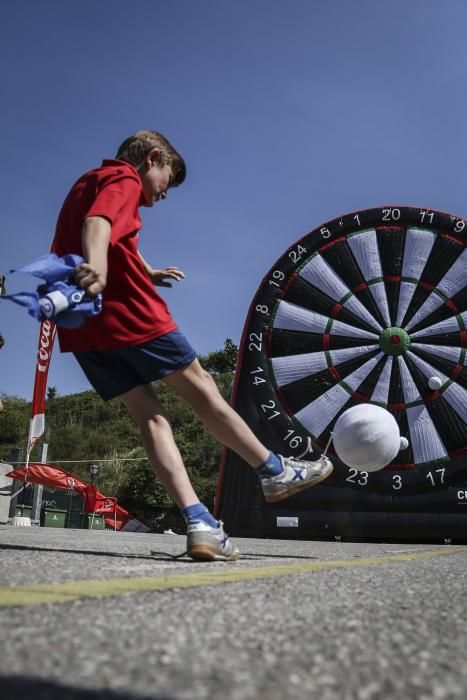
x=44, y=353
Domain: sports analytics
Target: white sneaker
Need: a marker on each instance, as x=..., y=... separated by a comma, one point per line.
x=297, y=475
x=206, y=543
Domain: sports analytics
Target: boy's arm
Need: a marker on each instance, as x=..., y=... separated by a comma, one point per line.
x=158, y=277
x=92, y=274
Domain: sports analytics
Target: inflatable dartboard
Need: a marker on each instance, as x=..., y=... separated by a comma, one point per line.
x=370, y=307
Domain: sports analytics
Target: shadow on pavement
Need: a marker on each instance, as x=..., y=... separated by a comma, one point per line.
x=153, y=555
x=163, y=556
x=15, y=688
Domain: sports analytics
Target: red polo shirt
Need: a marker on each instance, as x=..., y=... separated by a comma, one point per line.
x=133, y=312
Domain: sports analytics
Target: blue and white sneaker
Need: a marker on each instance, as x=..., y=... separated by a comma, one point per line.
x=296, y=475
x=206, y=543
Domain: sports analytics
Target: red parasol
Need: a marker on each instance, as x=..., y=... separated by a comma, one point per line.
x=49, y=475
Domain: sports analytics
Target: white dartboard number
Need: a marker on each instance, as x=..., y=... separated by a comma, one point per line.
x=357, y=477
x=391, y=215
x=296, y=254
x=256, y=342
x=278, y=276
x=270, y=406
x=436, y=477
x=257, y=379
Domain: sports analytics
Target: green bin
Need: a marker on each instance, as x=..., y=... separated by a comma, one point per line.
x=23, y=510
x=53, y=517
x=74, y=519
x=97, y=524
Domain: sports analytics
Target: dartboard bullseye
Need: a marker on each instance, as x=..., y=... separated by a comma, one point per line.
x=370, y=307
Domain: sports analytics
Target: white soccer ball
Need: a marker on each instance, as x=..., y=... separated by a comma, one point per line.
x=367, y=437
x=435, y=383
x=404, y=443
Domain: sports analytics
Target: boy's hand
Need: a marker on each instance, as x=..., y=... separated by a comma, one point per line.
x=88, y=278
x=159, y=277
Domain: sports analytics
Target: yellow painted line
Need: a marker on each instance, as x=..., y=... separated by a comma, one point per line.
x=105, y=588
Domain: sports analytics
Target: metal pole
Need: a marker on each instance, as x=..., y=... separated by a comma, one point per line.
x=16, y=456
x=37, y=491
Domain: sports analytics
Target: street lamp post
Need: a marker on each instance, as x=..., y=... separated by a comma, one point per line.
x=93, y=469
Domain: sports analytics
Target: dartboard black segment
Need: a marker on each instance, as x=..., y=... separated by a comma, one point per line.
x=369, y=307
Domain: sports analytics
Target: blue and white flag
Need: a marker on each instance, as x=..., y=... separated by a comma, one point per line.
x=58, y=298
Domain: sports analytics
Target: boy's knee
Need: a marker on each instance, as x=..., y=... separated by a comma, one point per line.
x=208, y=379
x=209, y=385
x=200, y=378
x=152, y=422
x=205, y=393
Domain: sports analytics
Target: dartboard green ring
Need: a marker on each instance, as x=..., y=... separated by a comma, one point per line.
x=394, y=341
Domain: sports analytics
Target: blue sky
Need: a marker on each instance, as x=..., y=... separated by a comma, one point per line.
x=288, y=114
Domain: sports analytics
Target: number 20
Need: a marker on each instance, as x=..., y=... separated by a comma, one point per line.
x=391, y=214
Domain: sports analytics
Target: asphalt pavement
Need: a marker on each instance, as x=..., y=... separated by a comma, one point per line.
x=88, y=615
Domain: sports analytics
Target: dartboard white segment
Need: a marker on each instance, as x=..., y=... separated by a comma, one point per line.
x=455, y=278
x=381, y=391
x=360, y=374
x=364, y=247
x=291, y=317
x=321, y=275
x=295, y=318
x=431, y=304
x=294, y=367
x=339, y=356
x=339, y=328
x=447, y=352
x=453, y=281
x=449, y=325
x=378, y=290
x=456, y=396
x=425, y=367
x=425, y=441
x=354, y=305
x=409, y=388
x=317, y=415
x=406, y=293
x=418, y=245
x=291, y=368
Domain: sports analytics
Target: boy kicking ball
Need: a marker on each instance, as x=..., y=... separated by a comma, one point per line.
x=135, y=341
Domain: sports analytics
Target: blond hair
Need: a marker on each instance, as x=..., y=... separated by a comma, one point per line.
x=135, y=148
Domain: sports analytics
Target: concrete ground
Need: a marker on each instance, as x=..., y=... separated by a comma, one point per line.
x=87, y=615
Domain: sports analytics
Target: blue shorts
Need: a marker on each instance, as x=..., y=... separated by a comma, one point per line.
x=114, y=372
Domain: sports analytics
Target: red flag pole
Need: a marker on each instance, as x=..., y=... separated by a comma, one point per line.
x=44, y=353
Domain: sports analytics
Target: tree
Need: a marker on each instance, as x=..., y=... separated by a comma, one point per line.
x=52, y=393
x=221, y=361
x=14, y=424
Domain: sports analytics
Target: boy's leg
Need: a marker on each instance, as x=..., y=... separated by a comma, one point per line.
x=197, y=387
x=207, y=540
x=159, y=444
x=280, y=477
